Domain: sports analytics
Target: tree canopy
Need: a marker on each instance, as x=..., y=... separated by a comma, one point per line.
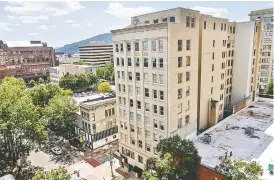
x=68, y=82
x=269, y=88
x=180, y=155
x=54, y=174
x=106, y=72
x=104, y=87
x=240, y=170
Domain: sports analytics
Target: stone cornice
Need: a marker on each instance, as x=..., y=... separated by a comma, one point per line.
x=140, y=28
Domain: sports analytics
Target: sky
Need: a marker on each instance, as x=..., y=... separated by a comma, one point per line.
x=64, y=22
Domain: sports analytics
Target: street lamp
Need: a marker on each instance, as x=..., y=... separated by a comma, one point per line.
x=110, y=160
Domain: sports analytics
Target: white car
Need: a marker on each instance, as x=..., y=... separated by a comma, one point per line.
x=56, y=150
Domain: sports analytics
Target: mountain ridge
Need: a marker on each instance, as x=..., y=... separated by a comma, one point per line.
x=74, y=47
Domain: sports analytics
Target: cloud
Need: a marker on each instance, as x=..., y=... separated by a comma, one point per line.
x=17, y=24
x=32, y=34
x=69, y=21
x=32, y=19
x=120, y=11
x=241, y=20
x=113, y=27
x=48, y=8
x=4, y=26
x=11, y=17
x=269, y=5
x=53, y=26
x=216, y=12
x=42, y=28
x=75, y=25
x=88, y=24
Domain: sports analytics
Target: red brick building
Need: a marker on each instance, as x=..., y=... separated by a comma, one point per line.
x=26, y=59
x=207, y=173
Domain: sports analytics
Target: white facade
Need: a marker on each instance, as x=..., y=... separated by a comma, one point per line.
x=96, y=53
x=57, y=72
x=243, y=61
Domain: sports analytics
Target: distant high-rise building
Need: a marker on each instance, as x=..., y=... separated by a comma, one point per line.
x=96, y=53
x=26, y=59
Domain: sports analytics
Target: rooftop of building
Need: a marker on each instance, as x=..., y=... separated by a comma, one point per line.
x=25, y=44
x=97, y=43
x=234, y=135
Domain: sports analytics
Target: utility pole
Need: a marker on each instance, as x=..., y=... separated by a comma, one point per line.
x=110, y=161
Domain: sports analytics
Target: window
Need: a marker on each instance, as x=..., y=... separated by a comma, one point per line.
x=225, y=27
x=161, y=110
x=117, y=48
x=188, y=105
x=128, y=47
x=155, y=21
x=137, y=76
x=132, y=141
x=146, y=92
x=122, y=47
x=204, y=24
x=138, y=90
x=106, y=113
x=213, y=55
x=224, y=43
x=139, y=118
x=155, y=94
x=147, y=106
x=221, y=26
x=140, y=158
x=179, y=122
x=125, y=101
x=117, y=62
x=221, y=97
x=233, y=30
x=119, y=87
x=136, y=46
x=188, y=76
x=161, y=45
x=162, y=127
x=164, y=20
x=137, y=62
x=146, y=22
x=213, y=43
x=155, y=123
x=187, y=60
x=161, y=95
x=161, y=79
x=180, y=108
x=131, y=102
x=131, y=128
x=161, y=63
x=118, y=74
x=123, y=61
x=188, y=91
x=130, y=76
x=155, y=109
x=180, y=62
x=123, y=75
x=211, y=90
x=180, y=45
x=214, y=27
x=188, y=44
x=139, y=104
x=212, y=67
x=180, y=78
x=154, y=64
x=145, y=46
x=147, y=121
x=139, y=130
x=154, y=78
x=147, y=134
x=190, y=21
x=145, y=62
x=172, y=19
x=130, y=90
x=180, y=93
x=146, y=78
x=128, y=61
x=153, y=45
x=187, y=120
x=222, y=86
x=124, y=88
x=140, y=146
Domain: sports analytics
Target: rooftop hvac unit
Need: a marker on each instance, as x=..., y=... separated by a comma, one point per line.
x=207, y=138
x=249, y=131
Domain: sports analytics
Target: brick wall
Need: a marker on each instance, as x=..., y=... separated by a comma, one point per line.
x=206, y=173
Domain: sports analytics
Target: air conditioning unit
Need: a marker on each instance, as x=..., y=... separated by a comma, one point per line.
x=207, y=138
x=249, y=131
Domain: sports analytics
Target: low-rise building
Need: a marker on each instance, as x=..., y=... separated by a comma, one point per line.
x=57, y=72
x=96, y=125
x=247, y=135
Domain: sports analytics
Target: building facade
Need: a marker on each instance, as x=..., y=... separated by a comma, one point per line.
x=96, y=125
x=265, y=24
x=96, y=53
x=156, y=66
x=26, y=59
x=56, y=73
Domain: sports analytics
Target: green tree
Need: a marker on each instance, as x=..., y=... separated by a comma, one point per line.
x=92, y=79
x=106, y=72
x=41, y=81
x=68, y=81
x=240, y=170
x=32, y=83
x=80, y=62
x=82, y=81
x=20, y=126
x=61, y=113
x=269, y=88
x=160, y=167
x=104, y=87
x=59, y=174
x=185, y=158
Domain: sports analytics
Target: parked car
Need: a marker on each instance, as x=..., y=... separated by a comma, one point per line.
x=56, y=150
